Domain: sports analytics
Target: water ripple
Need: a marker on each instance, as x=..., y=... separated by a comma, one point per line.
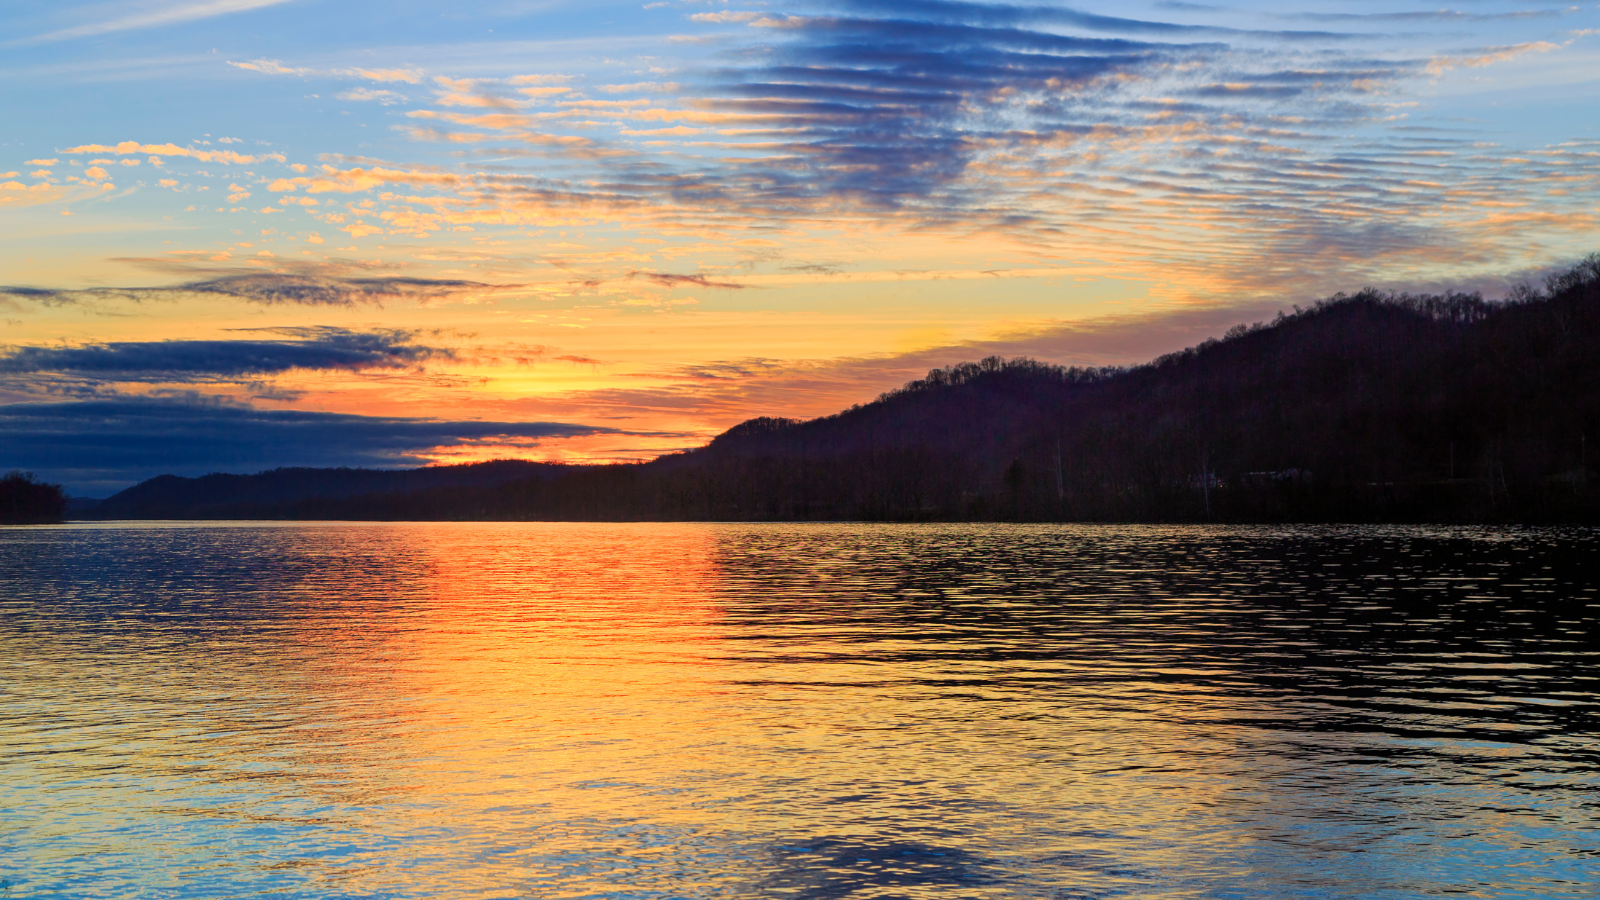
x=812, y=711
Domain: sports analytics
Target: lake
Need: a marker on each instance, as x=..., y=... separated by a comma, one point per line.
x=813, y=711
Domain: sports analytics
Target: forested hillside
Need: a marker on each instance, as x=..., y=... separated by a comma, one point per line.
x=25, y=500
x=1371, y=407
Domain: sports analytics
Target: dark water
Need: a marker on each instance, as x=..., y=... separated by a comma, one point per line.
x=664, y=711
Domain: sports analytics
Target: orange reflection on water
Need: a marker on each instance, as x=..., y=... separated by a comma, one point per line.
x=543, y=682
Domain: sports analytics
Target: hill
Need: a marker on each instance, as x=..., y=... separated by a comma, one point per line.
x=1369, y=407
x=280, y=493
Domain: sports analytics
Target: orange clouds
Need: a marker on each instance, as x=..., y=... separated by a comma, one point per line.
x=131, y=147
x=361, y=179
x=1439, y=65
x=16, y=195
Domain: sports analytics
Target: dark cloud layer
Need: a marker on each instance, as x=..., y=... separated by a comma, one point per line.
x=908, y=106
x=1104, y=140
x=273, y=288
x=101, y=446
x=314, y=348
x=890, y=110
x=666, y=279
x=1009, y=14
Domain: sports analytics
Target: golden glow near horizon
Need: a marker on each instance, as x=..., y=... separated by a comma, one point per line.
x=640, y=234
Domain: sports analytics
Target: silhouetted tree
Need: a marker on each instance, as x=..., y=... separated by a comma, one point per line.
x=24, y=500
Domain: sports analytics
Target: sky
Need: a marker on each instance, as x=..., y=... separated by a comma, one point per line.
x=241, y=234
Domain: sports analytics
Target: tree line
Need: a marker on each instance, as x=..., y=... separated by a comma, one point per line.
x=25, y=500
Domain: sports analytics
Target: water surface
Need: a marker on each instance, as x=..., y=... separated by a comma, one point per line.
x=811, y=711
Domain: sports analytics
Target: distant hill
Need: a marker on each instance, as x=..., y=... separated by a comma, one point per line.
x=1366, y=408
x=280, y=493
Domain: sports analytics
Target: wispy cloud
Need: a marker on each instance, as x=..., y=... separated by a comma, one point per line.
x=308, y=287
x=1004, y=14
x=127, y=148
x=387, y=98
x=1487, y=56
x=666, y=279
x=1434, y=15
x=1195, y=157
x=276, y=67
x=917, y=109
x=148, y=15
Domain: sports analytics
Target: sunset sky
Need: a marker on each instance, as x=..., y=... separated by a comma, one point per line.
x=238, y=234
